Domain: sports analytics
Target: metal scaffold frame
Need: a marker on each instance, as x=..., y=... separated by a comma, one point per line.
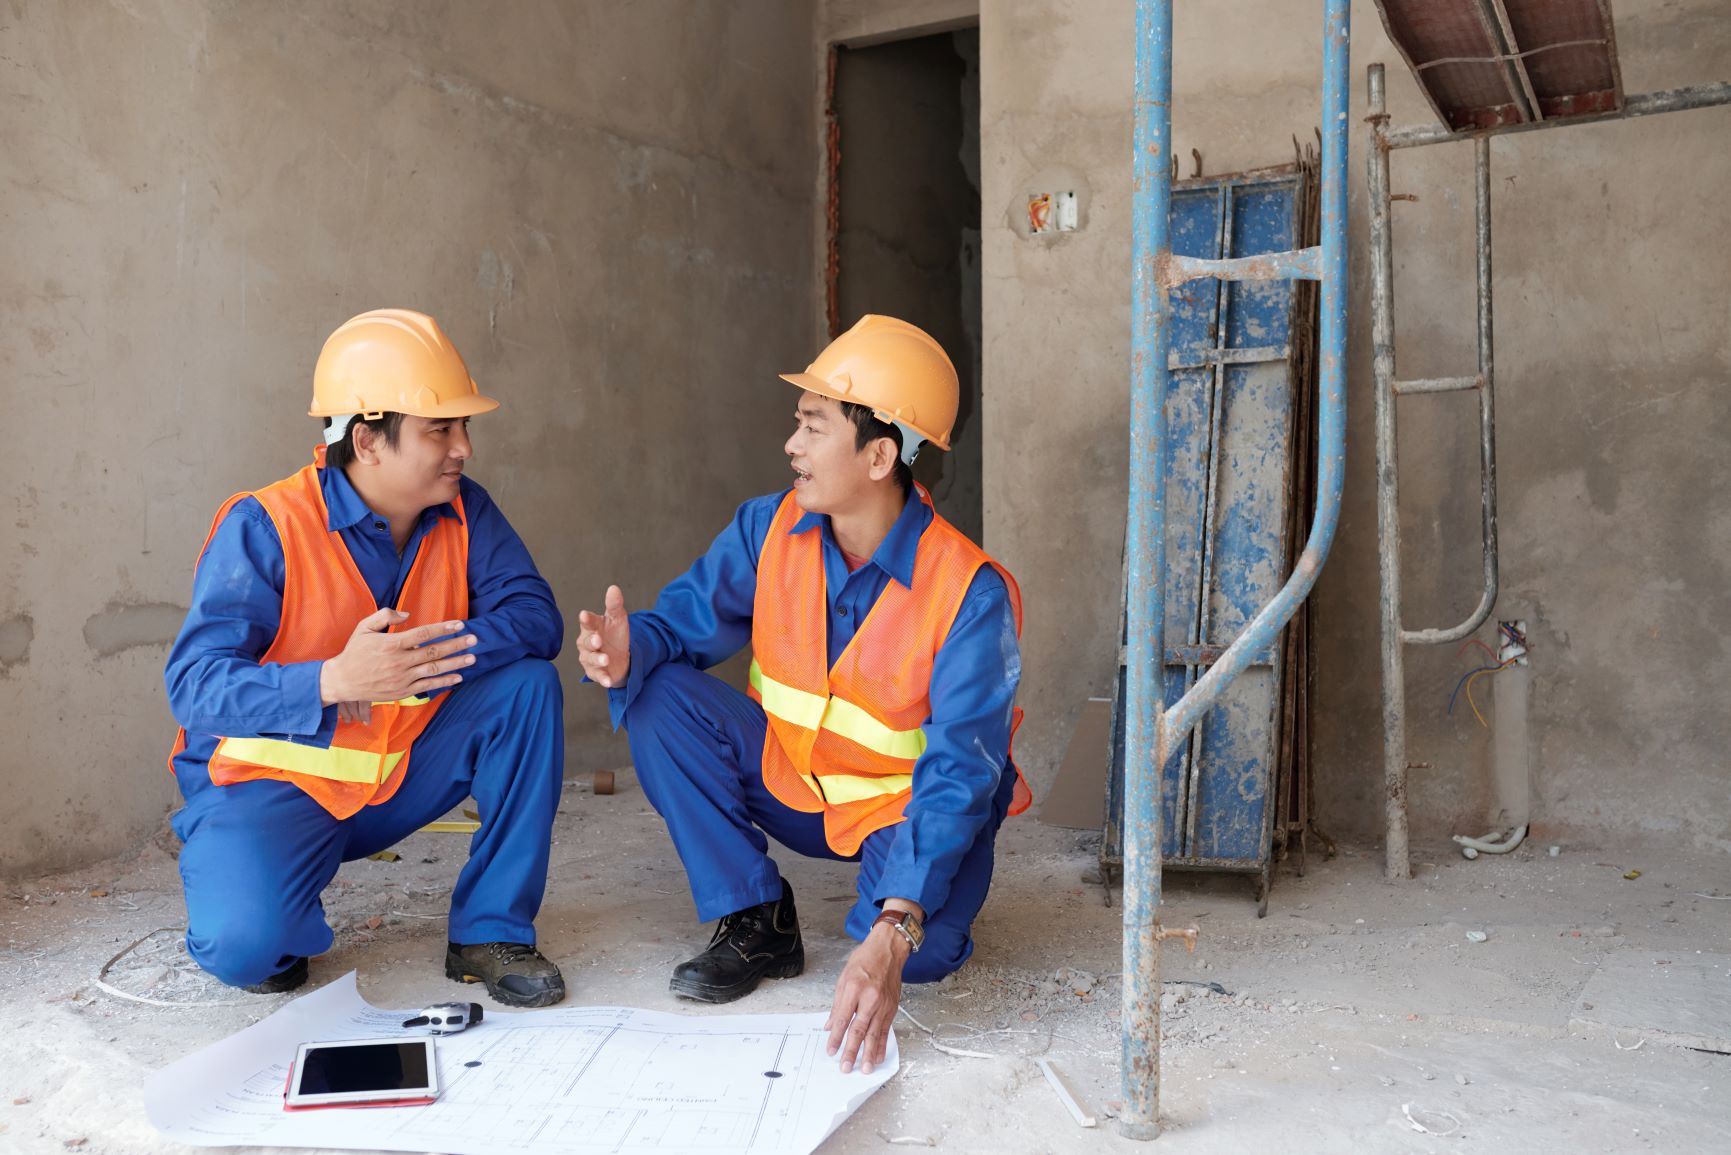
x=1152, y=732
x=1388, y=387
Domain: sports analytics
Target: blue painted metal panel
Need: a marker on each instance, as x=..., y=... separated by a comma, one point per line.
x=1229, y=400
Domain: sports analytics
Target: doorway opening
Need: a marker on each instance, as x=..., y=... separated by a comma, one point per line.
x=904, y=221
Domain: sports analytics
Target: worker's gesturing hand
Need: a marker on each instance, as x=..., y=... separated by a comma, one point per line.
x=379, y=667
x=604, y=645
x=867, y=996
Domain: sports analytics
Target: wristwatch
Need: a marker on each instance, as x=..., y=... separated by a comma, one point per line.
x=906, y=925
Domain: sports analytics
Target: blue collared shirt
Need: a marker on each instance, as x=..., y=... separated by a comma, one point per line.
x=216, y=681
x=704, y=617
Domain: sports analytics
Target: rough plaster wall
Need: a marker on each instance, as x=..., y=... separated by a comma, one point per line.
x=1614, y=348
x=606, y=205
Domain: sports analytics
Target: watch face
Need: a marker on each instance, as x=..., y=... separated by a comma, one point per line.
x=907, y=925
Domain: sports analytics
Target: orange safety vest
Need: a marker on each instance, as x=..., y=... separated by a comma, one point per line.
x=844, y=741
x=324, y=596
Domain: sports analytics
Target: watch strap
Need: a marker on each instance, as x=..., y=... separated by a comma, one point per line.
x=899, y=919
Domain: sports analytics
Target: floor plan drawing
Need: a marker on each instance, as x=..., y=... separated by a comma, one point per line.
x=568, y=1080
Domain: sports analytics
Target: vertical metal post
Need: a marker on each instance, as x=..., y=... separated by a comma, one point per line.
x=1331, y=329
x=1151, y=730
x=1145, y=746
x=1487, y=380
x=1398, y=864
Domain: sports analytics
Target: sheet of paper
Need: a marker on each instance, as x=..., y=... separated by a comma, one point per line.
x=571, y=1079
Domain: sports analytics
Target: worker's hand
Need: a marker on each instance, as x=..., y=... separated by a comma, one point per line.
x=361, y=712
x=867, y=997
x=604, y=643
x=379, y=667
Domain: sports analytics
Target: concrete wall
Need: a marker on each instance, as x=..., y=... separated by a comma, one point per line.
x=606, y=205
x=1614, y=350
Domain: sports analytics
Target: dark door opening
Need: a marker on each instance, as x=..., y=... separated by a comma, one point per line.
x=906, y=230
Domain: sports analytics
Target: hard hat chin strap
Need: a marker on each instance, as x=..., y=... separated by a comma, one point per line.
x=339, y=426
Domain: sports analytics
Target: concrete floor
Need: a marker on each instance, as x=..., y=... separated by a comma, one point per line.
x=1351, y=1001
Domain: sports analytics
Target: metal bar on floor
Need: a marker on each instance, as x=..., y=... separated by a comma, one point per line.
x=1151, y=733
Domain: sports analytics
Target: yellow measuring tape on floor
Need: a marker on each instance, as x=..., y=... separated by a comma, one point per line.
x=468, y=824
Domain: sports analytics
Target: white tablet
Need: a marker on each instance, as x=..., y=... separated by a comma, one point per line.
x=363, y=1073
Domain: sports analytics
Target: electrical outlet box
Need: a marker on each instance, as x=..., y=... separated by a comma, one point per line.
x=1052, y=212
x=1512, y=641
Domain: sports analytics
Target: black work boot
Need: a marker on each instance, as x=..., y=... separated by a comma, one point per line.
x=516, y=973
x=287, y=979
x=748, y=945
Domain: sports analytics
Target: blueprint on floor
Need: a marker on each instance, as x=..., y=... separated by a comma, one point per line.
x=566, y=1080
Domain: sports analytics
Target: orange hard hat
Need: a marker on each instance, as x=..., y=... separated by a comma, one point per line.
x=394, y=361
x=897, y=370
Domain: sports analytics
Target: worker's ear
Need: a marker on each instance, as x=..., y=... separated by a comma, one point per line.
x=882, y=461
x=369, y=441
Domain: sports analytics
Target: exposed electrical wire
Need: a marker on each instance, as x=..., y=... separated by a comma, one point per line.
x=1511, y=638
x=1489, y=653
x=1473, y=677
x=1454, y=697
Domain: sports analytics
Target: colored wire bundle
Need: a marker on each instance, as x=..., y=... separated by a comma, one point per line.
x=1511, y=637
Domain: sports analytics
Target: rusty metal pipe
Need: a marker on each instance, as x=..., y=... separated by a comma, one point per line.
x=1150, y=735
x=1300, y=264
x=1487, y=415
x=1645, y=104
x=1145, y=568
x=1437, y=385
x=1397, y=863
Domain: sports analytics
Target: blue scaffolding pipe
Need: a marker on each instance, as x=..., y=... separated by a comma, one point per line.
x=1151, y=731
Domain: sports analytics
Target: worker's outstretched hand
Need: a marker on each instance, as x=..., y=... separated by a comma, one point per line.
x=604, y=641
x=379, y=667
x=867, y=996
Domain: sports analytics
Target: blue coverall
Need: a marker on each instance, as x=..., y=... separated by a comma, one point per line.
x=697, y=743
x=258, y=854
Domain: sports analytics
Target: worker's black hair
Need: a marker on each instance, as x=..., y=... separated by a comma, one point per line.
x=867, y=429
x=342, y=454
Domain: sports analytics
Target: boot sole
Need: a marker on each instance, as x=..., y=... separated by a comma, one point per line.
x=704, y=993
x=455, y=971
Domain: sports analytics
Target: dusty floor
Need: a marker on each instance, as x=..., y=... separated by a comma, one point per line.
x=1353, y=1006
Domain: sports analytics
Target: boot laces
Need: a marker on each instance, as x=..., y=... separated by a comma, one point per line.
x=738, y=929
x=510, y=952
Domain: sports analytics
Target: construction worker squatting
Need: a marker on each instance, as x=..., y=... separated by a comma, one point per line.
x=878, y=723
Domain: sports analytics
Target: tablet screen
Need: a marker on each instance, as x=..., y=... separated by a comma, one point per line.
x=359, y=1067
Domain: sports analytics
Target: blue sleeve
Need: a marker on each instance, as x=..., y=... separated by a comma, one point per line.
x=511, y=608
x=216, y=682
x=973, y=694
x=703, y=617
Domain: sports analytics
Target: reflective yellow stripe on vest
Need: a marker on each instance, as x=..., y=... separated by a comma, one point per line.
x=838, y=716
x=843, y=788
x=336, y=762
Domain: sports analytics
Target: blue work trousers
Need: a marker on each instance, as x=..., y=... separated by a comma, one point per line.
x=259, y=854
x=698, y=748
